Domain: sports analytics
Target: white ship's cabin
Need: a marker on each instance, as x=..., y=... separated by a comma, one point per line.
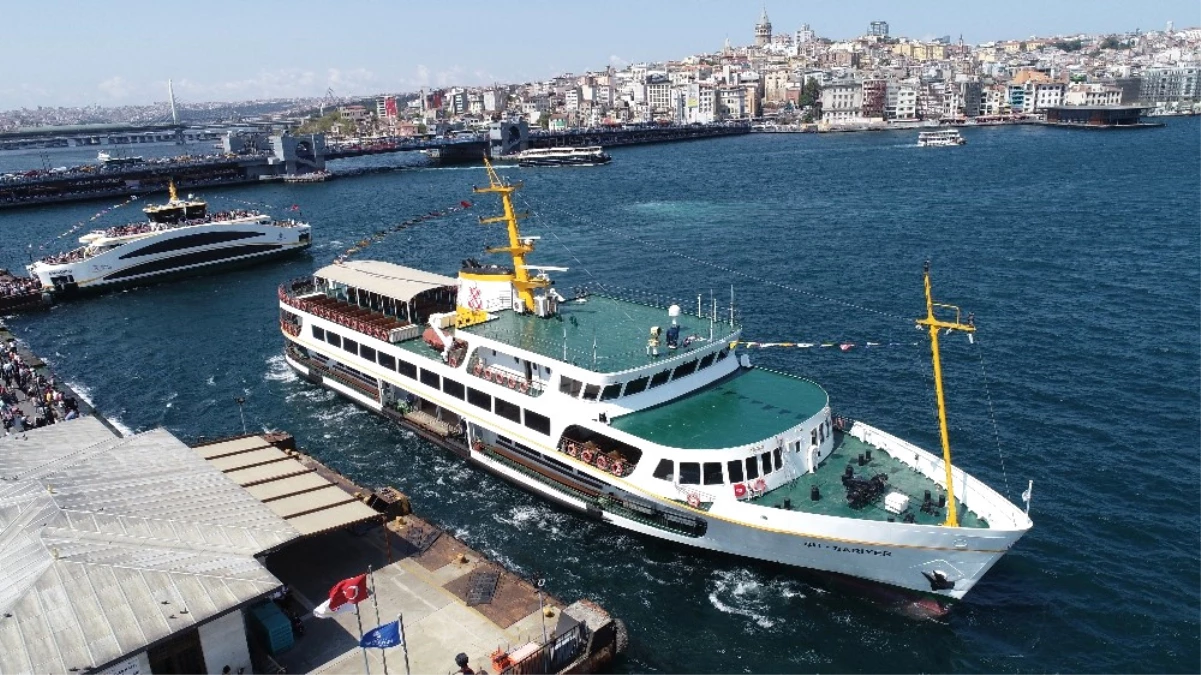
x=176, y=211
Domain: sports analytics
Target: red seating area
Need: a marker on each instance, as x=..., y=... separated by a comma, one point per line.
x=361, y=320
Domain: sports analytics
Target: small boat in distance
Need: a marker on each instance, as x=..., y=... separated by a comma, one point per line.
x=108, y=159
x=313, y=177
x=939, y=138
x=592, y=155
x=180, y=236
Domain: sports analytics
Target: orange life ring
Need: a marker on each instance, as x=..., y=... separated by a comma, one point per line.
x=618, y=468
x=512, y=382
x=760, y=485
x=694, y=501
x=602, y=463
x=452, y=361
x=488, y=375
x=586, y=456
x=572, y=449
x=739, y=490
x=524, y=386
x=479, y=368
x=477, y=445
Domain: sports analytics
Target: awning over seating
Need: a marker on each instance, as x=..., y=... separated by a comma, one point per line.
x=386, y=279
x=295, y=492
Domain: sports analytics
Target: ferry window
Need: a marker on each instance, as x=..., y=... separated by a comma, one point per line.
x=407, y=369
x=660, y=378
x=431, y=378
x=666, y=470
x=386, y=360
x=479, y=399
x=813, y=436
x=612, y=391
x=766, y=457
x=591, y=391
x=690, y=473
x=707, y=361
x=508, y=410
x=636, y=386
x=453, y=388
x=752, y=467
x=713, y=473
x=723, y=354
x=334, y=339
x=319, y=332
x=539, y=423
x=686, y=369
x=367, y=352
x=350, y=346
x=734, y=468
x=570, y=387
x=779, y=461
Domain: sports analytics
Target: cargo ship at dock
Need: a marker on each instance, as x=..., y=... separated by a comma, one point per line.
x=672, y=433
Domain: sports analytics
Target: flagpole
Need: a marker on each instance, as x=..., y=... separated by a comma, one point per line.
x=359, y=616
x=403, y=642
x=375, y=601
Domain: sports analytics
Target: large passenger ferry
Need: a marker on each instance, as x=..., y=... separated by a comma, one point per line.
x=179, y=236
x=645, y=417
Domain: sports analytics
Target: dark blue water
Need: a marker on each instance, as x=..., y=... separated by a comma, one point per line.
x=1079, y=253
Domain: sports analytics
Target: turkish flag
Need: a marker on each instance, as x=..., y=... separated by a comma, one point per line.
x=343, y=596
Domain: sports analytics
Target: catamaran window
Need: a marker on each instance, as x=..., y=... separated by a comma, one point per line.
x=367, y=352
x=707, y=361
x=334, y=339
x=666, y=470
x=570, y=387
x=734, y=468
x=779, y=461
x=539, y=423
x=611, y=391
x=752, y=467
x=591, y=391
x=408, y=370
x=685, y=369
x=660, y=378
x=508, y=410
x=350, y=346
x=319, y=332
x=386, y=360
x=636, y=386
x=690, y=473
x=431, y=378
x=453, y=388
x=766, y=457
x=479, y=399
x=713, y=473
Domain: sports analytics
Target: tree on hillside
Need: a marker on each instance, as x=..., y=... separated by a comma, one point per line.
x=811, y=100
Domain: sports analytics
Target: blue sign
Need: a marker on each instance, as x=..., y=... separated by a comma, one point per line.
x=387, y=635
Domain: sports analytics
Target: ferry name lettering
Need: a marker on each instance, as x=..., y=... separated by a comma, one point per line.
x=848, y=549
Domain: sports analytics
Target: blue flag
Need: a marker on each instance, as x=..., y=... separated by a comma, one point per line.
x=387, y=635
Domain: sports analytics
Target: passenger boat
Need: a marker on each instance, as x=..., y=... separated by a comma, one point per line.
x=108, y=159
x=582, y=156
x=646, y=417
x=179, y=236
x=312, y=177
x=940, y=138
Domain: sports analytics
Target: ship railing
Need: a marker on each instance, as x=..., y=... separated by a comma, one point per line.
x=551, y=656
x=702, y=499
x=506, y=377
x=301, y=294
x=589, y=452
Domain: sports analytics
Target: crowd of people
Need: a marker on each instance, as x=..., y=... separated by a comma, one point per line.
x=20, y=384
x=12, y=287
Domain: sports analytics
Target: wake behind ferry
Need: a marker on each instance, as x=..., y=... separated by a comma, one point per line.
x=645, y=417
x=180, y=236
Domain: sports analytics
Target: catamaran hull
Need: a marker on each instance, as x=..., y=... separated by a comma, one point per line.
x=921, y=559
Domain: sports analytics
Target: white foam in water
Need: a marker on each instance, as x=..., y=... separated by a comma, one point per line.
x=744, y=591
x=278, y=370
x=212, y=381
x=120, y=426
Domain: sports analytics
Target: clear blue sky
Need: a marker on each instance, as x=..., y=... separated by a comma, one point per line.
x=60, y=52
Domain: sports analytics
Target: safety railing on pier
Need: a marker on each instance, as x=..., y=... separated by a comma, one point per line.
x=550, y=657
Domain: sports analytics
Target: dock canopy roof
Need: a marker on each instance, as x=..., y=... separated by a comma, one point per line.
x=386, y=279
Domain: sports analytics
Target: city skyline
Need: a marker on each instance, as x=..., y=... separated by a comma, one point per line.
x=230, y=51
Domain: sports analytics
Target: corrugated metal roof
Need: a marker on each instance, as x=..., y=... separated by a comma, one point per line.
x=393, y=281
x=107, y=544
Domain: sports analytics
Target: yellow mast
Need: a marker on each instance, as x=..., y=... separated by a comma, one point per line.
x=934, y=325
x=171, y=189
x=517, y=247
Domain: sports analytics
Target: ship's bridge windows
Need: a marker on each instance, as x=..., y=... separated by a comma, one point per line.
x=685, y=369
x=319, y=333
x=508, y=410
x=333, y=338
x=713, y=473
x=636, y=386
x=386, y=360
x=734, y=469
x=659, y=378
x=766, y=459
x=453, y=388
x=367, y=352
x=752, y=467
x=350, y=346
x=479, y=399
x=611, y=391
x=813, y=436
x=431, y=378
x=778, y=460
x=591, y=391
x=570, y=386
x=539, y=423
x=407, y=369
x=666, y=470
x=690, y=473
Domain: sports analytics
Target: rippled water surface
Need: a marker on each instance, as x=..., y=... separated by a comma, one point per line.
x=1078, y=252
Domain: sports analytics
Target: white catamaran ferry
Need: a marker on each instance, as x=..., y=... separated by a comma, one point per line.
x=645, y=417
x=593, y=155
x=179, y=236
x=941, y=138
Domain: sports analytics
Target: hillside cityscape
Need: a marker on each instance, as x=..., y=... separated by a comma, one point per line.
x=784, y=76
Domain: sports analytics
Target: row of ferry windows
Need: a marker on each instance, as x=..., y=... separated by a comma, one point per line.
x=591, y=392
x=710, y=473
x=479, y=399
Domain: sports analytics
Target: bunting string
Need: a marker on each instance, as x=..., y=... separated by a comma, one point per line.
x=97, y=216
x=841, y=346
x=380, y=235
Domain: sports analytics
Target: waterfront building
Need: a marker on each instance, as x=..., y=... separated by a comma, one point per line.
x=1171, y=85
x=900, y=102
x=1093, y=94
x=875, y=94
x=842, y=102
x=733, y=102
